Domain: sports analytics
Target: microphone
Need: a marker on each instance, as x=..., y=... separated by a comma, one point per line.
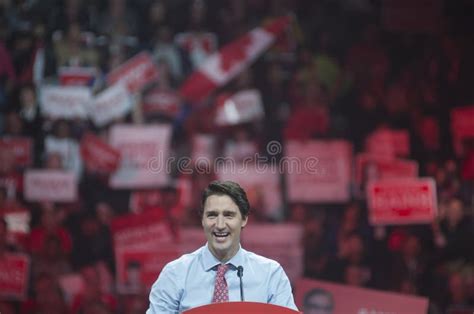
x=240, y=273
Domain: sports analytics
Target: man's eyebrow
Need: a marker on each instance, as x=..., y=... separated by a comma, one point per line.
x=228, y=211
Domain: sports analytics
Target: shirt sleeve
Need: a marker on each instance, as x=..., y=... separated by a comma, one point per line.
x=165, y=294
x=280, y=289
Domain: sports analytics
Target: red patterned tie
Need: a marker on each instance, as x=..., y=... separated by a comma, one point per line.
x=221, y=293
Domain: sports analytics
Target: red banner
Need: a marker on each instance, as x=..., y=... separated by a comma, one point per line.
x=402, y=201
x=221, y=67
x=313, y=296
x=14, y=275
x=77, y=76
x=136, y=73
x=19, y=148
x=98, y=155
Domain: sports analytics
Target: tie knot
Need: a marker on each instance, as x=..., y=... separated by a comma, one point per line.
x=222, y=269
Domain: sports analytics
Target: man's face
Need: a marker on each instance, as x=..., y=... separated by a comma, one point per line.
x=222, y=223
x=319, y=304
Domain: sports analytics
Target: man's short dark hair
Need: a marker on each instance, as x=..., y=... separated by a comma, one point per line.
x=231, y=189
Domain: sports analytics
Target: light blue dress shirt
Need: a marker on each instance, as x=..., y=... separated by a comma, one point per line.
x=189, y=282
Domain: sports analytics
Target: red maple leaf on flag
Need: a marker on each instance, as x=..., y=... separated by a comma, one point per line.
x=234, y=53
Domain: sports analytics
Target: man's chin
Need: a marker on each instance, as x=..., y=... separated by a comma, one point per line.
x=221, y=249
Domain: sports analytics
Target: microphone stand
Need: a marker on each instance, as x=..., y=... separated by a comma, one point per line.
x=240, y=273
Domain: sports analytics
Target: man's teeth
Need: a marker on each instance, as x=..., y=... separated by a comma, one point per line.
x=221, y=234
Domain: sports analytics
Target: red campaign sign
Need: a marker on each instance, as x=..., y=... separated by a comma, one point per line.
x=98, y=155
x=50, y=185
x=14, y=274
x=136, y=73
x=143, y=244
x=165, y=102
x=314, y=296
x=77, y=76
x=137, y=269
x=140, y=230
x=385, y=167
x=386, y=142
x=402, y=201
x=462, y=126
x=372, y=167
x=19, y=148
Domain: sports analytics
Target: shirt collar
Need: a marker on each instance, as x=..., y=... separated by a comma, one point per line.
x=209, y=261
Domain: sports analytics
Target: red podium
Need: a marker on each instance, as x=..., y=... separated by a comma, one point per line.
x=239, y=308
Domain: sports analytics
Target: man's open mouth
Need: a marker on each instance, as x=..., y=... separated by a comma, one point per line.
x=220, y=234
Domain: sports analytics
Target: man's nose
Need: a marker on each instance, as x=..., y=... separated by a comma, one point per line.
x=220, y=224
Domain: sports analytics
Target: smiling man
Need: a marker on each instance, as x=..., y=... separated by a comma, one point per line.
x=221, y=270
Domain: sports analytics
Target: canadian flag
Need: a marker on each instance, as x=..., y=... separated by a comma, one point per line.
x=232, y=59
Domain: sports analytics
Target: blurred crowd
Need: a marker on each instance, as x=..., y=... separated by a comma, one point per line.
x=338, y=73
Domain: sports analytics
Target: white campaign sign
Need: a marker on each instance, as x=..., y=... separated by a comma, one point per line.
x=112, y=103
x=318, y=171
x=50, y=185
x=144, y=154
x=244, y=106
x=64, y=101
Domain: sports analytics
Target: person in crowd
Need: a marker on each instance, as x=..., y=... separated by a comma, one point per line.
x=93, y=293
x=47, y=297
x=451, y=232
x=93, y=243
x=63, y=143
x=71, y=49
x=51, y=259
x=50, y=224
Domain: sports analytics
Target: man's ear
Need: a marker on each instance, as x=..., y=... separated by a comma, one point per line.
x=244, y=221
